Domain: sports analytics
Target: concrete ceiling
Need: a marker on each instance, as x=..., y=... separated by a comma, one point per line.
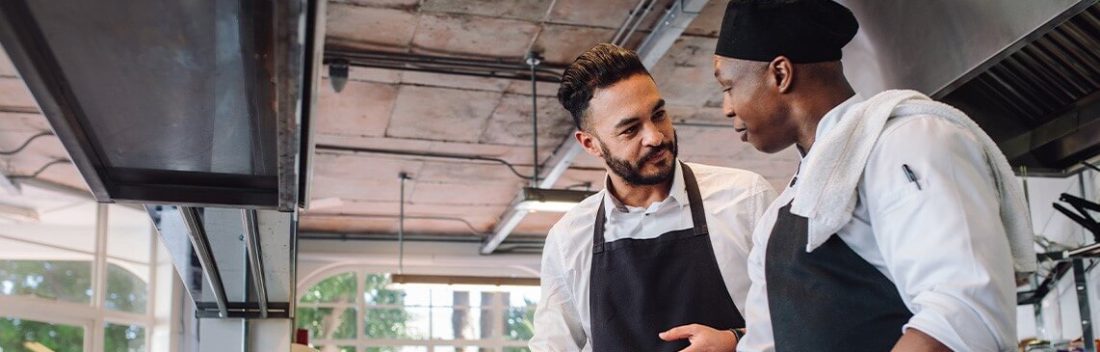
x=427, y=112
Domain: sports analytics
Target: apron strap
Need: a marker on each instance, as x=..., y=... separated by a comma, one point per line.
x=597, y=240
x=698, y=214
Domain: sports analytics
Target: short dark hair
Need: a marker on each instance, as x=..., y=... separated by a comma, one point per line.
x=600, y=67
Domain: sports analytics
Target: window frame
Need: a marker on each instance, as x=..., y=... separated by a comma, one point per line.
x=93, y=316
x=497, y=342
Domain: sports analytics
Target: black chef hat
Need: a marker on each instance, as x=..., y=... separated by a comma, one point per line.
x=804, y=31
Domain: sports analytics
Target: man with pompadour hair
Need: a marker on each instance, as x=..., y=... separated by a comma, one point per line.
x=656, y=260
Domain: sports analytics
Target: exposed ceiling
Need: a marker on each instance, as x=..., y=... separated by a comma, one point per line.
x=429, y=112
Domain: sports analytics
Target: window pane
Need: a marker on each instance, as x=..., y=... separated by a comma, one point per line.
x=442, y=297
x=126, y=291
x=51, y=279
x=28, y=335
x=517, y=349
x=398, y=349
x=519, y=323
x=390, y=323
x=462, y=349
x=336, y=348
x=327, y=323
x=375, y=291
x=129, y=234
x=338, y=288
x=124, y=338
x=460, y=323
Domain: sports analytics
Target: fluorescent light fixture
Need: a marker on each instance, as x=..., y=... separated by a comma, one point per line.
x=550, y=200
x=530, y=200
x=462, y=283
x=18, y=213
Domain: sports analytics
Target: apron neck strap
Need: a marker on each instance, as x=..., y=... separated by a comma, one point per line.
x=698, y=214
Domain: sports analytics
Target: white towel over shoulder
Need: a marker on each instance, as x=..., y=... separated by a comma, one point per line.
x=826, y=193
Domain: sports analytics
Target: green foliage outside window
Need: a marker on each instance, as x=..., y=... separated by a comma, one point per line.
x=17, y=334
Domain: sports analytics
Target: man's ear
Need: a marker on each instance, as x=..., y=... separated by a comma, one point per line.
x=781, y=72
x=588, y=142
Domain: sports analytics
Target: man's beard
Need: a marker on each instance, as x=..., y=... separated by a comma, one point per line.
x=631, y=172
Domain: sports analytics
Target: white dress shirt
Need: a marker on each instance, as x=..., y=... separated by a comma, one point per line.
x=943, y=245
x=733, y=200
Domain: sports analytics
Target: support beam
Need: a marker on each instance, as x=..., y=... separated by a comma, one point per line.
x=653, y=48
x=676, y=19
x=255, y=259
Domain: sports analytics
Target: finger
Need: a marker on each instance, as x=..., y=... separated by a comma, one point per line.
x=691, y=348
x=679, y=332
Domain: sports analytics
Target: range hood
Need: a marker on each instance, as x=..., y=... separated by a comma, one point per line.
x=181, y=102
x=198, y=110
x=1028, y=72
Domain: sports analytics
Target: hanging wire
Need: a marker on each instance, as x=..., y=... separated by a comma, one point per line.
x=533, y=60
x=41, y=169
x=25, y=143
x=404, y=176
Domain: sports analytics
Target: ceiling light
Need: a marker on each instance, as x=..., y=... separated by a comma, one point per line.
x=18, y=213
x=550, y=200
x=462, y=283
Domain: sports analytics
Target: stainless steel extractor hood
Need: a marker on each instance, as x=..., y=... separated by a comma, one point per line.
x=1027, y=71
x=198, y=110
x=181, y=102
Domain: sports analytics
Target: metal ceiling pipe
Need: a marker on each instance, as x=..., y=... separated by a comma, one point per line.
x=499, y=68
x=255, y=258
x=197, y=234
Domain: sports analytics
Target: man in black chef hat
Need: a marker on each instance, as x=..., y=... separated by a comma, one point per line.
x=903, y=225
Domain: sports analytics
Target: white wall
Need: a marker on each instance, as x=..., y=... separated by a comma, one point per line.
x=1060, y=318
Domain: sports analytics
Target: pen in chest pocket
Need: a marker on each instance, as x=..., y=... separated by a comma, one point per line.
x=910, y=175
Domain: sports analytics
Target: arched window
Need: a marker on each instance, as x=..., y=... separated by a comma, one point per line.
x=361, y=311
x=83, y=277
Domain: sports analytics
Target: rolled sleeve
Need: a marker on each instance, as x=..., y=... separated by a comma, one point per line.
x=943, y=242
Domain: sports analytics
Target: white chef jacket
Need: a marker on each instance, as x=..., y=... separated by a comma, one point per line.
x=943, y=246
x=733, y=200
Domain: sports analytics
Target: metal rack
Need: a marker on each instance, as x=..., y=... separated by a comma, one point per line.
x=1070, y=260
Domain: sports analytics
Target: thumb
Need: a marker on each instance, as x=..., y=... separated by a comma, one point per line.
x=679, y=332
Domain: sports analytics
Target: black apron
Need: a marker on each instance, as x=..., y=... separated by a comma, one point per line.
x=642, y=287
x=830, y=299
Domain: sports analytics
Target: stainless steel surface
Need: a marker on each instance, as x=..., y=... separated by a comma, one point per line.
x=169, y=102
x=1080, y=282
x=247, y=255
x=927, y=45
x=255, y=259
x=1027, y=71
x=24, y=47
x=209, y=266
x=278, y=233
x=1041, y=102
x=314, y=49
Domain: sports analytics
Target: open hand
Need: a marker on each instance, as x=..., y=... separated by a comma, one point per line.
x=703, y=338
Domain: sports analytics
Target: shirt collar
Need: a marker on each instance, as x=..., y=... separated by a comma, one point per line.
x=678, y=191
